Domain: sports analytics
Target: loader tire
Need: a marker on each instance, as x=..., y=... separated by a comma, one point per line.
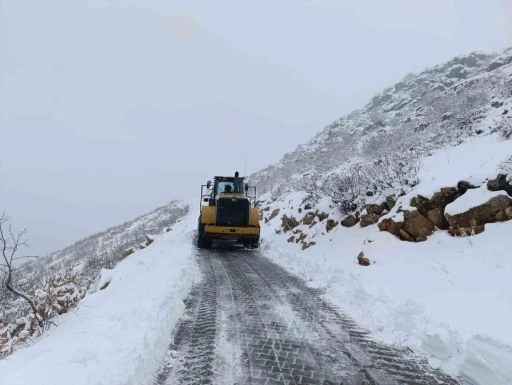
x=202, y=241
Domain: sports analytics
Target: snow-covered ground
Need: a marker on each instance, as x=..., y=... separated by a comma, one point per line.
x=118, y=335
x=450, y=298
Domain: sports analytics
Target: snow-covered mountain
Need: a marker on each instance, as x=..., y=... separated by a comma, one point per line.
x=401, y=212
x=467, y=96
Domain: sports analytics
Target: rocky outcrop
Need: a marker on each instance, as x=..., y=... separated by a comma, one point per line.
x=390, y=202
x=309, y=218
x=369, y=219
x=306, y=245
x=408, y=225
x=417, y=226
x=349, y=221
x=128, y=252
x=376, y=209
x=500, y=183
x=482, y=214
x=289, y=223
x=433, y=209
x=331, y=224
x=274, y=214
x=392, y=225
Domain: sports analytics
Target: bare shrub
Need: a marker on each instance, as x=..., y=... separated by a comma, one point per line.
x=277, y=190
x=505, y=129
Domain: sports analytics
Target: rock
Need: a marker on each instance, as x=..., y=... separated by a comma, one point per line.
x=307, y=206
x=363, y=261
x=480, y=215
x=289, y=223
x=322, y=216
x=375, y=209
x=417, y=226
x=501, y=216
x=301, y=238
x=331, y=224
x=349, y=221
x=291, y=239
x=466, y=231
x=274, y=214
x=309, y=218
x=391, y=225
x=464, y=186
x=405, y=236
x=500, y=184
x=390, y=202
x=433, y=209
x=496, y=104
x=306, y=245
x=369, y=219
x=436, y=216
x=369, y=194
x=149, y=241
x=420, y=203
x=508, y=212
x=128, y=252
x=413, y=228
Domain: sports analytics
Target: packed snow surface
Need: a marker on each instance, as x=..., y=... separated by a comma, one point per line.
x=118, y=335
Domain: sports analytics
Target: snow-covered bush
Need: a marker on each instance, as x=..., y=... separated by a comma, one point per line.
x=277, y=190
x=505, y=129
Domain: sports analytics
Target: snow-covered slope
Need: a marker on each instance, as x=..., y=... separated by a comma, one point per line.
x=467, y=96
x=447, y=129
x=447, y=297
x=118, y=335
x=59, y=281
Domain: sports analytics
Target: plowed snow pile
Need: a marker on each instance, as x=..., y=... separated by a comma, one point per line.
x=118, y=335
x=450, y=298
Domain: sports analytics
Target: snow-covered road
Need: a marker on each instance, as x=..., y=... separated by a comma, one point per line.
x=250, y=321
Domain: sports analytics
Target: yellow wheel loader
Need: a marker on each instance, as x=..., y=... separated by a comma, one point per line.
x=228, y=212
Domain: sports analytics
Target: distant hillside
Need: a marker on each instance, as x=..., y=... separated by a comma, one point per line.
x=60, y=280
x=422, y=112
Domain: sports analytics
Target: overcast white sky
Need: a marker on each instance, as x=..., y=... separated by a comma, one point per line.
x=109, y=109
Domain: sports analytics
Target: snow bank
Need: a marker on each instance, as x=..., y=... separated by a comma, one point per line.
x=448, y=298
x=475, y=160
x=472, y=198
x=118, y=335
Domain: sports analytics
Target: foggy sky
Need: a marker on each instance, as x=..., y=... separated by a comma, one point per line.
x=109, y=109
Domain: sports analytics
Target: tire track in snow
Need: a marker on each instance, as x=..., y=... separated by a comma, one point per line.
x=383, y=364
x=249, y=321
x=191, y=356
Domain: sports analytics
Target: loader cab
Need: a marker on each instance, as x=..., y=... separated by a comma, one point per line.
x=228, y=185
